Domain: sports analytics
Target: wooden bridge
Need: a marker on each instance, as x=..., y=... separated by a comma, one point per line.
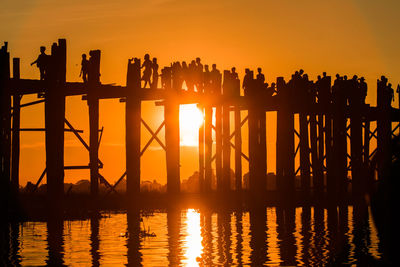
x=326, y=127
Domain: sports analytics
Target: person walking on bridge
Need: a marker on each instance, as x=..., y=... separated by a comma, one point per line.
x=42, y=62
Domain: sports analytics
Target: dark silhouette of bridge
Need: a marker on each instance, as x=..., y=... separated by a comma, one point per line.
x=331, y=118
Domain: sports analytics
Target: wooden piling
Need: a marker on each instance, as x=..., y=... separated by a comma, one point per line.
x=5, y=125
x=133, y=130
x=356, y=149
x=208, y=148
x=331, y=183
x=321, y=147
x=201, y=153
x=218, y=147
x=171, y=117
x=339, y=149
x=285, y=142
x=226, y=148
x=330, y=177
x=238, y=135
x=253, y=146
x=218, y=136
x=257, y=140
x=289, y=159
x=304, y=154
x=368, y=173
x=238, y=150
x=280, y=140
x=54, y=121
x=226, y=133
x=316, y=171
x=384, y=131
x=16, y=126
x=262, y=137
x=93, y=103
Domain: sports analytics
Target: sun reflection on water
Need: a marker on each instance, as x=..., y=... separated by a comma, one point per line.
x=193, y=247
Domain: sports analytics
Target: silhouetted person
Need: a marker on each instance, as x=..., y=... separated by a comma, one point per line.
x=185, y=72
x=206, y=79
x=324, y=89
x=191, y=76
x=198, y=75
x=84, y=68
x=363, y=89
x=354, y=94
x=147, y=65
x=166, y=74
x=215, y=79
x=246, y=81
x=42, y=62
x=154, y=67
x=260, y=77
x=235, y=75
x=177, y=77
x=382, y=95
x=235, y=82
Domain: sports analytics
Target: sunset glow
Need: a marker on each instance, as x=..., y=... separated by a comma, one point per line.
x=190, y=119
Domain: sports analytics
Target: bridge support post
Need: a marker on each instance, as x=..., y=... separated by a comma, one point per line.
x=218, y=147
x=262, y=120
x=331, y=183
x=253, y=146
x=172, y=152
x=304, y=155
x=201, y=153
x=356, y=149
x=54, y=122
x=5, y=125
x=93, y=103
x=238, y=150
x=285, y=144
x=208, y=148
x=226, y=148
x=257, y=141
x=384, y=131
x=339, y=161
x=133, y=130
x=15, y=134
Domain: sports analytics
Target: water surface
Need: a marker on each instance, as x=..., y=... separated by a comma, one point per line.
x=267, y=236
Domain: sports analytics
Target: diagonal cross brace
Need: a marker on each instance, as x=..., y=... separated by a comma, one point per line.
x=154, y=135
x=241, y=125
x=80, y=138
x=112, y=188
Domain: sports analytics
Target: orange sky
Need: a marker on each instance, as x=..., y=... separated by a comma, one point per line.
x=346, y=36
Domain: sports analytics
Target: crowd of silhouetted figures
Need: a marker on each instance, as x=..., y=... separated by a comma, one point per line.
x=199, y=78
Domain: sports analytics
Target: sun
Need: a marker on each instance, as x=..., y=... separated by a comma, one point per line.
x=190, y=120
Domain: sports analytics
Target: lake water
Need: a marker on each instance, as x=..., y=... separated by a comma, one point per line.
x=267, y=236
